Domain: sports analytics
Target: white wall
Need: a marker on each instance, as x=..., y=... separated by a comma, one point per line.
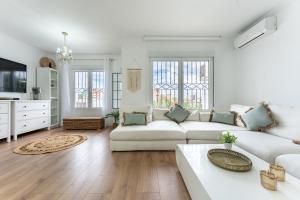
x=15, y=50
x=136, y=53
x=269, y=69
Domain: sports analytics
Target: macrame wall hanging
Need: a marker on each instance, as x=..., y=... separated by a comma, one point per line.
x=134, y=79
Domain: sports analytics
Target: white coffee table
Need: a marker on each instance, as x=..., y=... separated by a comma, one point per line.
x=206, y=181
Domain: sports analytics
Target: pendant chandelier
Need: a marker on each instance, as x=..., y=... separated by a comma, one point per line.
x=64, y=54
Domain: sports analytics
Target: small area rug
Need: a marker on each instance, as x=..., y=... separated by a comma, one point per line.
x=50, y=144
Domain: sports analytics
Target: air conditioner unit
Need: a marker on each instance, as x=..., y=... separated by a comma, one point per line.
x=261, y=29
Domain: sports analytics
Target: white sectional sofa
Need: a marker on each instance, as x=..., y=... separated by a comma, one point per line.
x=163, y=134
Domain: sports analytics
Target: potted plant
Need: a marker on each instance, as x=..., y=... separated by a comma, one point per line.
x=115, y=115
x=228, y=139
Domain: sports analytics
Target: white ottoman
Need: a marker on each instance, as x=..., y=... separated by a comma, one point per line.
x=291, y=163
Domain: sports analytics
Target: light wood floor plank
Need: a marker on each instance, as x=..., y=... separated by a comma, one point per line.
x=89, y=171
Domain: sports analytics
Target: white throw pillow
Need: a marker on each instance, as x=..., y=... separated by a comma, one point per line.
x=130, y=109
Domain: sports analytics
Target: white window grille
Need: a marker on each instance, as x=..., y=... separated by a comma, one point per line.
x=116, y=90
x=188, y=82
x=89, y=89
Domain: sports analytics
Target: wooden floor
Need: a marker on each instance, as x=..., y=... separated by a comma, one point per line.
x=88, y=171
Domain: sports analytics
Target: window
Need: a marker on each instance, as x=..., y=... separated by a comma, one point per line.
x=116, y=90
x=195, y=84
x=89, y=89
x=188, y=82
x=97, y=89
x=81, y=89
x=165, y=83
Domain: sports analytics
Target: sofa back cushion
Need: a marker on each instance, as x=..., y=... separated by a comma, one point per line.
x=288, y=119
x=194, y=115
x=131, y=109
x=239, y=110
x=205, y=116
x=159, y=114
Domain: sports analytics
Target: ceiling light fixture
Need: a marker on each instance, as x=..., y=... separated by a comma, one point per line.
x=64, y=54
x=181, y=38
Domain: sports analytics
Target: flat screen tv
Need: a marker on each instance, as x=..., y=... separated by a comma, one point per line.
x=13, y=76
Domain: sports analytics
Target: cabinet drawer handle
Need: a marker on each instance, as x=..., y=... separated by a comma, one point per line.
x=24, y=106
x=44, y=121
x=44, y=105
x=24, y=125
x=44, y=113
x=24, y=115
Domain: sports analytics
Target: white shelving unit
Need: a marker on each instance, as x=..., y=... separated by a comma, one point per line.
x=47, y=80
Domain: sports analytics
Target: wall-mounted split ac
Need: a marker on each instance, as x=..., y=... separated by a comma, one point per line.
x=263, y=28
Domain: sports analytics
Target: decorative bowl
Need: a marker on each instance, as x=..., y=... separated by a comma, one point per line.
x=230, y=160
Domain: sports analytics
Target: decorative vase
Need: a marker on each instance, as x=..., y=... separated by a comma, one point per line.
x=228, y=146
x=36, y=91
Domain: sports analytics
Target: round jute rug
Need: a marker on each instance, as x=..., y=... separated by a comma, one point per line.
x=50, y=144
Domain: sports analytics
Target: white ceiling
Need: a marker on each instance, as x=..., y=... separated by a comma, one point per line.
x=97, y=26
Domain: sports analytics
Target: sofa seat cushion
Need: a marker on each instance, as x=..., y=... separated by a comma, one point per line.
x=155, y=130
x=206, y=130
x=265, y=146
x=291, y=163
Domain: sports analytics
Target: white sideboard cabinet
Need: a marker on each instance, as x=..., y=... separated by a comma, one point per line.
x=5, y=118
x=30, y=115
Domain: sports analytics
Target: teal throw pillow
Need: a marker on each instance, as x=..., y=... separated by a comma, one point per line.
x=223, y=117
x=259, y=118
x=135, y=118
x=177, y=114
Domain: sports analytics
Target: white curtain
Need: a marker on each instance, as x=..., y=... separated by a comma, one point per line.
x=108, y=89
x=66, y=107
x=65, y=91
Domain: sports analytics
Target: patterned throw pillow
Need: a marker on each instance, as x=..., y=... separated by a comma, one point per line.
x=136, y=118
x=223, y=117
x=177, y=114
x=259, y=118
